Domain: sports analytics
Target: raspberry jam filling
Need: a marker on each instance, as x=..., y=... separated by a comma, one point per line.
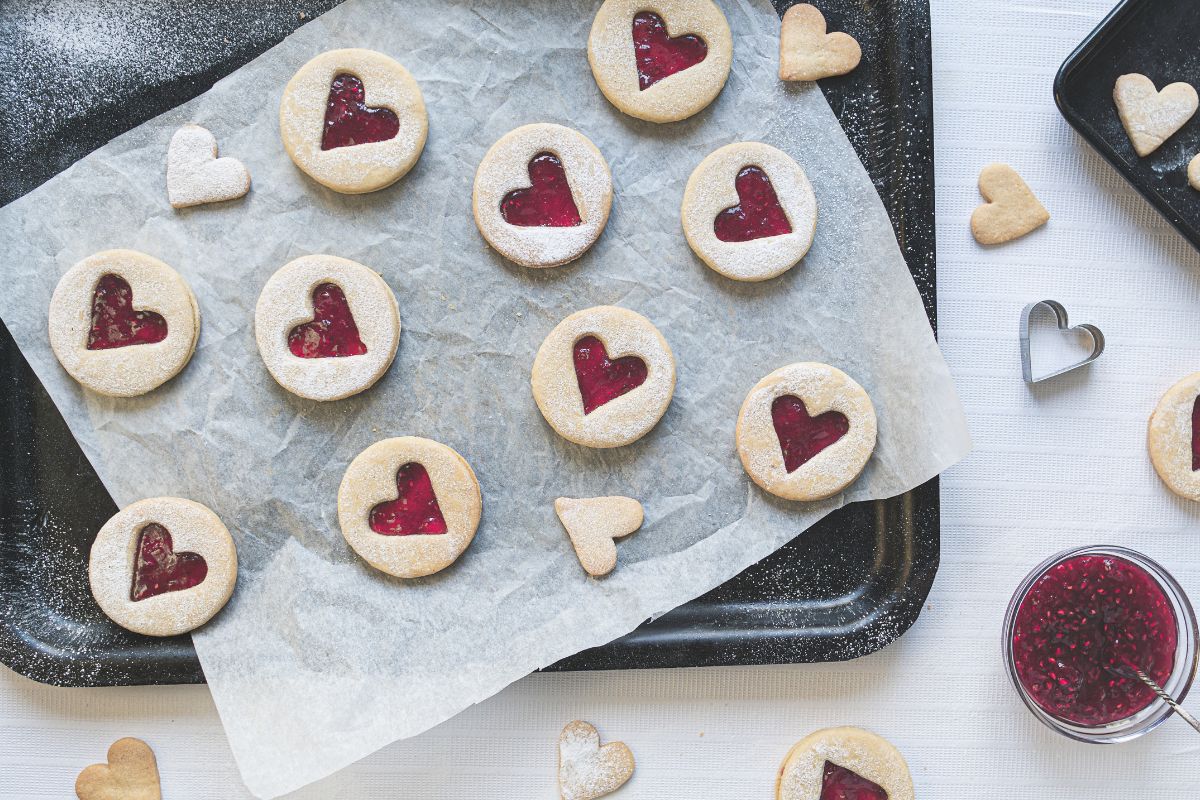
x=1196, y=435
x=350, y=121
x=758, y=213
x=1081, y=630
x=332, y=332
x=547, y=203
x=115, y=322
x=801, y=437
x=602, y=379
x=159, y=569
x=840, y=783
x=658, y=54
x=415, y=509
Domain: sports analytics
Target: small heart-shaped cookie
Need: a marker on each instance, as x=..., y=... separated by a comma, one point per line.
x=1193, y=172
x=593, y=523
x=1011, y=210
x=807, y=52
x=585, y=769
x=194, y=173
x=1150, y=116
x=130, y=774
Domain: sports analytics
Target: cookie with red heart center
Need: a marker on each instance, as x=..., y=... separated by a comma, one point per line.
x=749, y=211
x=844, y=764
x=663, y=62
x=131, y=773
x=123, y=323
x=603, y=377
x=326, y=327
x=353, y=120
x=1173, y=438
x=806, y=431
x=162, y=566
x=542, y=195
x=409, y=506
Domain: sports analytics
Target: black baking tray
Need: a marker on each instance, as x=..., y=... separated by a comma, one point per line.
x=1157, y=38
x=851, y=585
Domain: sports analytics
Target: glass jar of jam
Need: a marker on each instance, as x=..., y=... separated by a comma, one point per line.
x=1078, y=628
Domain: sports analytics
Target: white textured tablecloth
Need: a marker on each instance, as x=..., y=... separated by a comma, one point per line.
x=1060, y=465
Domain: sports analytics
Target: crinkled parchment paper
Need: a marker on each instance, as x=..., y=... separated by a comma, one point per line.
x=319, y=660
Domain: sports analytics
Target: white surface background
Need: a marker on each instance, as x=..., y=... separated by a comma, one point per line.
x=1056, y=466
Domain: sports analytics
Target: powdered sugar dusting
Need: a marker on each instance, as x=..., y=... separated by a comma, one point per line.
x=194, y=173
x=585, y=769
x=855, y=749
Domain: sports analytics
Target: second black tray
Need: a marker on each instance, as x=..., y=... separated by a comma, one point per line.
x=849, y=586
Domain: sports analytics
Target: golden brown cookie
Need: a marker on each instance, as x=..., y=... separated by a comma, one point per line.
x=1150, y=116
x=131, y=773
x=409, y=506
x=1193, y=172
x=842, y=759
x=1011, y=210
x=1174, y=441
x=593, y=523
x=587, y=770
x=807, y=52
x=806, y=431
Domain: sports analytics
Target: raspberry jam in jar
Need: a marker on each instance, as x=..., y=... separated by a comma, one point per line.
x=1079, y=627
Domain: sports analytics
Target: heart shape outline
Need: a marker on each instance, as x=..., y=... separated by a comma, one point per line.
x=1064, y=324
x=606, y=376
x=808, y=51
x=757, y=198
x=196, y=176
x=548, y=187
x=130, y=773
x=159, y=568
x=587, y=769
x=650, y=30
x=332, y=327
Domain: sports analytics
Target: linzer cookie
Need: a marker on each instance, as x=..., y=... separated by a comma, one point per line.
x=327, y=327
x=662, y=61
x=162, y=566
x=749, y=211
x=844, y=763
x=806, y=431
x=353, y=120
x=603, y=377
x=123, y=323
x=1173, y=438
x=542, y=195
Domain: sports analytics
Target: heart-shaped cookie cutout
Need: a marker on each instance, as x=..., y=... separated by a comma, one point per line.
x=547, y=202
x=593, y=523
x=130, y=774
x=587, y=770
x=194, y=173
x=659, y=54
x=802, y=437
x=350, y=121
x=1011, y=210
x=758, y=213
x=115, y=322
x=158, y=569
x=1150, y=117
x=415, y=509
x=807, y=52
x=601, y=379
x=332, y=332
x=1064, y=325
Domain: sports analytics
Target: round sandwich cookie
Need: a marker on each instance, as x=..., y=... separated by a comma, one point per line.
x=603, y=377
x=123, y=323
x=844, y=762
x=409, y=506
x=162, y=566
x=353, y=120
x=661, y=61
x=327, y=327
x=1173, y=438
x=542, y=195
x=806, y=431
x=749, y=211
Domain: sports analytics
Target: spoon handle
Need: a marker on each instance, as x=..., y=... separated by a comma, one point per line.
x=1178, y=709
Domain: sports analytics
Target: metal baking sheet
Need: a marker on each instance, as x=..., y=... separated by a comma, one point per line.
x=849, y=586
x=1156, y=38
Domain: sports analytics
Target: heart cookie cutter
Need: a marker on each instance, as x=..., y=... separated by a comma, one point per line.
x=1060, y=315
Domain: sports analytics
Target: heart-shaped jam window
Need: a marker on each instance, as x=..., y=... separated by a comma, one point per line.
x=415, y=509
x=350, y=121
x=547, y=203
x=840, y=783
x=158, y=569
x=758, y=213
x=659, y=54
x=116, y=323
x=602, y=379
x=1196, y=435
x=801, y=437
x=332, y=332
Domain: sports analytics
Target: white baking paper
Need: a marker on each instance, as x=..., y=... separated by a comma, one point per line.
x=319, y=660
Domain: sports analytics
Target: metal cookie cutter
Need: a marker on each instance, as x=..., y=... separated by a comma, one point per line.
x=1060, y=314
